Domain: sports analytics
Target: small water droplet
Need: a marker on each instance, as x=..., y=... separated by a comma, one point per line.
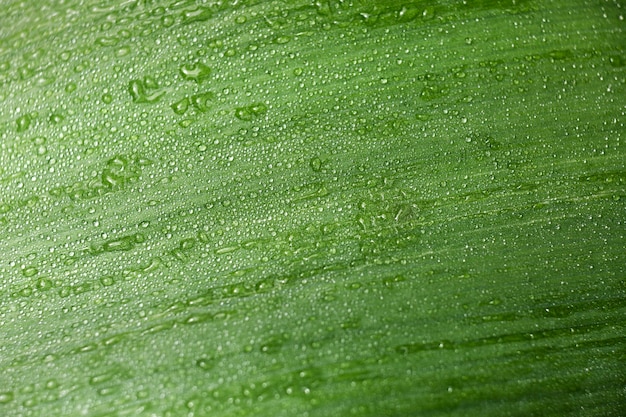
x=180, y=107
x=56, y=118
x=6, y=397
x=185, y=123
x=197, y=72
x=203, y=237
x=23, y=122
x=167, y=21
x=107, y=41
x=125, y=243
x=52, y=384
x=44, y=284
x=205, y=363
x=282, y=40
x=107, y=280
x=139, y=90
x=250, y=112
x=200, y=14
x=187, y=244
x=201, y=101
x=315, y=164
x=30, y=271
x=123, y=51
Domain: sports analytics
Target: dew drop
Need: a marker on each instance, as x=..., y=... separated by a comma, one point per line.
x=30, y=271
x=23, y=123
x=6, y=397
x=107, y=280
x=197, y=72
x=316, y=164
x=187, y=244
x=167, y=21
x=122, y=51
x=180, y=107
x=204, y=363
x=56, y=118
x=201, y=101
x=44, y=284
x=200, y=14
x=282, y=40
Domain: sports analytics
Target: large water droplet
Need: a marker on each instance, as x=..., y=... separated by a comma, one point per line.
x=6, y=397
x=23, y=122
x=197, y=72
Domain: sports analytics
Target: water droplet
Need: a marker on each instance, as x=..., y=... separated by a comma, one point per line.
x=139, y=91
x=136, y=90
x=250, y=112
x=187, y=244
x=180, y=107
x=617, y=61
x=316, y=164
x=30, y=271
x=109, y=390
x=201, y=101
x=25, y=292
x=167, y=21
x=6, y=397
x=179, y=255
x=56, y=118
x=198, y=318
x=125, y=243
x=203, y=237
x=282, y=40
x=197, y=72
x=205, y=363
x=23, y=122
x=408, y=13
x=201, y=14
x=107, y=41
x=44, y=284
x=428, y=13
x=123, y=51
x=107, y=98
x=226, y=249
x=107, y=280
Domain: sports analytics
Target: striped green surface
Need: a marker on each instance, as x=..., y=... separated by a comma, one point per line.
x=313, y=208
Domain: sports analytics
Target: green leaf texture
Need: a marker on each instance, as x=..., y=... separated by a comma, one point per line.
x=312, y=208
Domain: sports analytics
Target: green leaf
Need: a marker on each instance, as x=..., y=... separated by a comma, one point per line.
x=312, y=208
